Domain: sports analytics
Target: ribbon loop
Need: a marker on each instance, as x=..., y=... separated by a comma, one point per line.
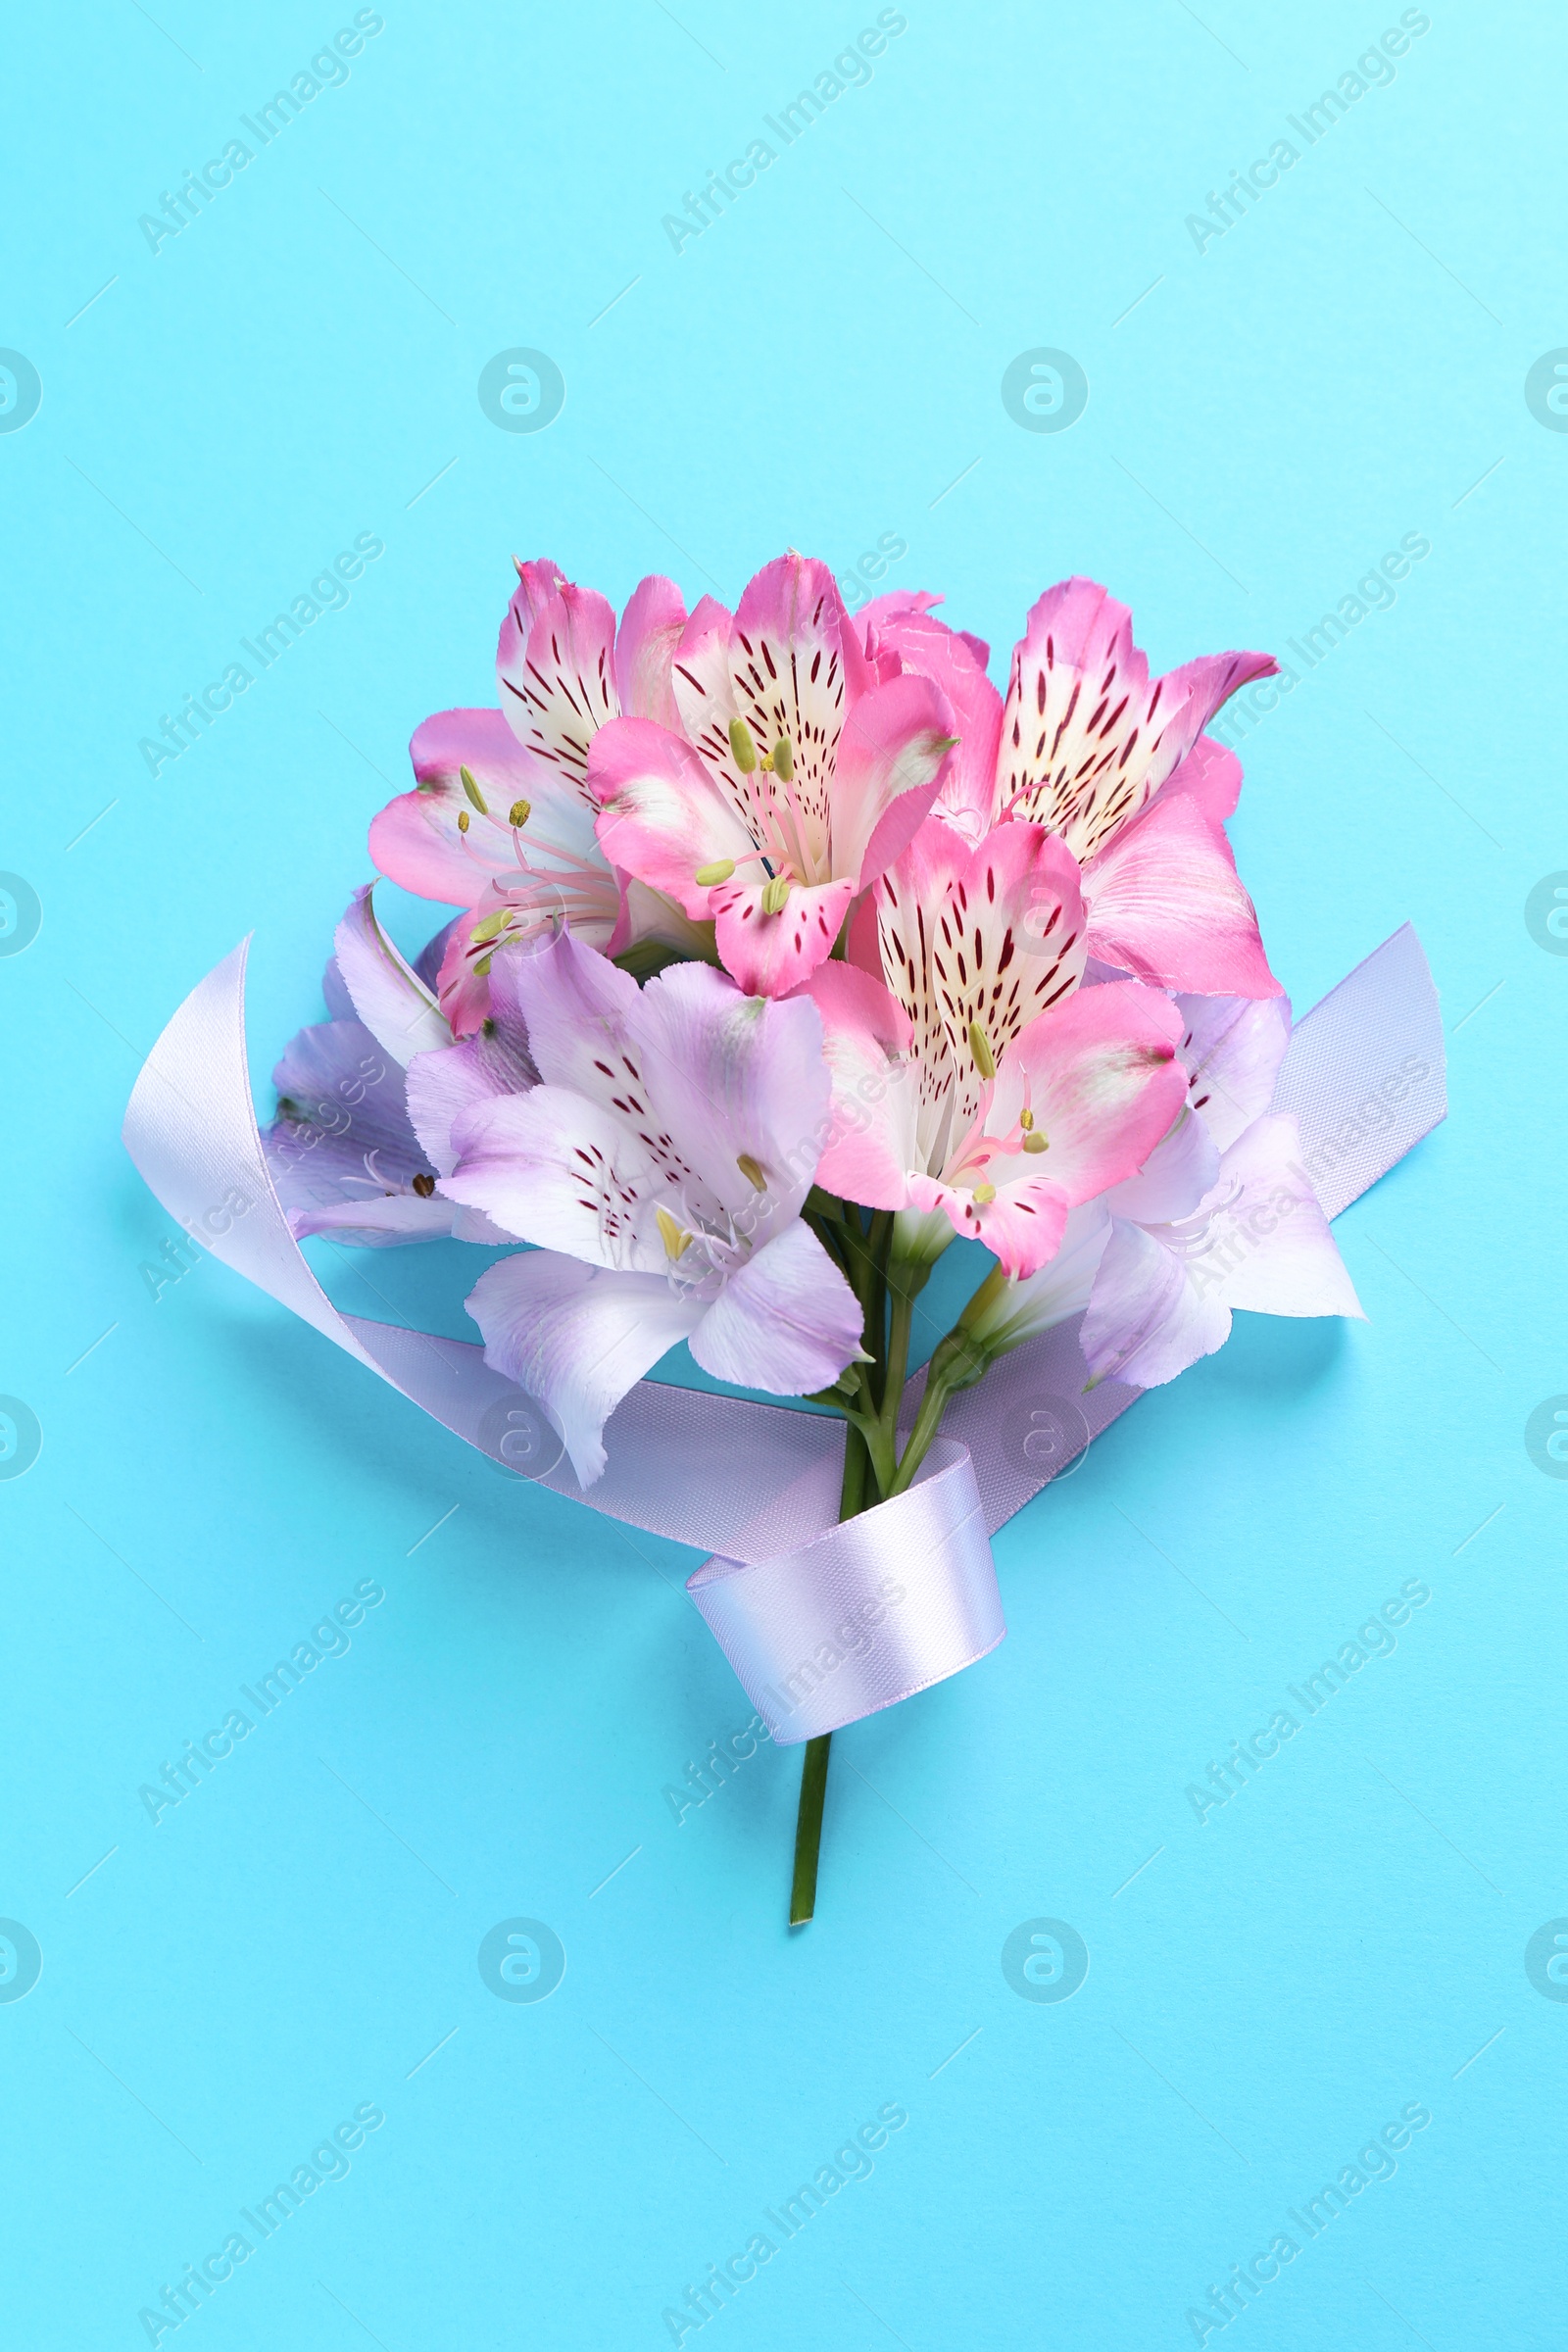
x=866, y=1613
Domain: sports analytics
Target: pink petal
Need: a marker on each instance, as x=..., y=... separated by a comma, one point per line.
x=891, y=756
x=415, y=840
x=650, y=629
x=787, y=1321
x=1088, y=739
x=933, y=651
x=1100, y=1074
x=1211, y=775
x=705, y=697
x=866, y=1038
x=662, y=816
x=1007, y=943
x=1165, y=903
x=577, y=1337
x=562, y=690
x=1022, y=1226
x=770, y=954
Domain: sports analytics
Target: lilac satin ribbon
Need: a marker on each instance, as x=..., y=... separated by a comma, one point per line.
x=824, y=1623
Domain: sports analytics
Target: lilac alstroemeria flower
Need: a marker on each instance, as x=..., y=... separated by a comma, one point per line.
x=1221, y=1215
x=343, y=1150
x=660, y=1166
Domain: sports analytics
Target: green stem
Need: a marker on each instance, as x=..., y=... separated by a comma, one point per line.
x=814, y=1768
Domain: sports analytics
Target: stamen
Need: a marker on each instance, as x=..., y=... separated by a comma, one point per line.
x=1026, y=1119
x=783, y=760
x=707, y=876
x=491, y=928
x=463, y=820
x=424, y=1186
x=520, y=812
x=752, y=1171
x=983, y=1194
x=980, y=1047
x=775, y=895
x=1034, y=1142
x=473, y=791
x=677, y=1243
x=741, y=747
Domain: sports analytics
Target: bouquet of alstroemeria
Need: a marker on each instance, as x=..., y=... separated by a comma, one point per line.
x=790, y=951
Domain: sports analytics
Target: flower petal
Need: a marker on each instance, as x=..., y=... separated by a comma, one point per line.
x=1145, y=1321
x=576, y=1005
x=1268, y=1229
x=576, y=1338
x=1233, y=1049
x=662, y=814
x=1100, y=1074
x=1211, y=775
x=866, y=1037
x=650, y=628
x=341, y=1150
x=1087, y=740
x=553, y=1168
x=772, y=954
x=563, y=688
x=1007, y=943
x=1022, y=1226
x=387, y=996
x=891, y=756
x=787, y=1321
x=1165, y=903
x=738, y=1090
x=443, y=1085
x=957, y=664
x=1178, y=1172
x=1061, y=1289
x=797, y=666
x=416, y=841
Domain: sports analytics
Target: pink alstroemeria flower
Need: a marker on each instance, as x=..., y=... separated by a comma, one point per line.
x=502, y=820
x=985, y=1084
x=1223, y=1214
x=659, y=1168
x=798, y=777
x=1112, y=762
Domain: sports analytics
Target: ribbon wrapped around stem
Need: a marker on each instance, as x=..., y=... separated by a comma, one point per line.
x=824, y=1623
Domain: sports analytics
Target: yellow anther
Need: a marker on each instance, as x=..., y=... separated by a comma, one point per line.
x=1034, y=1142
x=675, y=1241
x=783, y=759
x=491, y=928
x=983, y=1194
x=720, y=871
x=473, y=791
x=463, y=820
x=742, y=749
x=520, y=812
x=1026, y=1119
x=980, y=1047
x=775, y=895
x=752, y=1171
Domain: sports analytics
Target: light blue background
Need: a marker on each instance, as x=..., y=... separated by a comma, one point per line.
x=1345, y=366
